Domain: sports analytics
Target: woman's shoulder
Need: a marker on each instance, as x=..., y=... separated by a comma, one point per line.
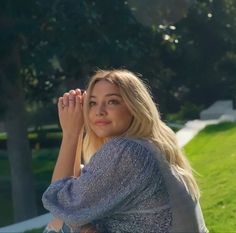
x=127, y=143
x=127, y=147
x=125, y=152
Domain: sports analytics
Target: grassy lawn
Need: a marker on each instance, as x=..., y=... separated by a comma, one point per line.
x=213, y=155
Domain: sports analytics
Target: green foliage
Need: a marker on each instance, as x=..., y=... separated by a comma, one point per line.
x=203, y=59
x=213, y=155
x=62, y=42
x=39, y=137
x=187, y=111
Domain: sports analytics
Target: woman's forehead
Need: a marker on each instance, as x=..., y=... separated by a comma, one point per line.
x=104, y=86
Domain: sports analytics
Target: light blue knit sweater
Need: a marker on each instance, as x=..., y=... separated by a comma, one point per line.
x=126, y=187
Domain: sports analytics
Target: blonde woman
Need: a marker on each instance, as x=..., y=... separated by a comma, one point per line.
x=135, y=177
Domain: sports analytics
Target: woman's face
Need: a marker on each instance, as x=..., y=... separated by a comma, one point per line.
x=108, y=114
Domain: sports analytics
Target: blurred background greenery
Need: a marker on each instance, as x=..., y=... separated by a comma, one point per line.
x=185, y=51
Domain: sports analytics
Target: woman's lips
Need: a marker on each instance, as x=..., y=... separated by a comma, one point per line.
x=100, y=122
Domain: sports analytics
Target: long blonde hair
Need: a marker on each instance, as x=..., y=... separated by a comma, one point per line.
x=146, y=124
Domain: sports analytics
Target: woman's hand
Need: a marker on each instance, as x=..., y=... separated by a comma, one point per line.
x=55, y=225
x=70, y=111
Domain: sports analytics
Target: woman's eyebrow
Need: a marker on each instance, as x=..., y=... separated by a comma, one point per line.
x=107, y=95
x=110, y=94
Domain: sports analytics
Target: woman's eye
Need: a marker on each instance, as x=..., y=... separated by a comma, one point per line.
x=113, y=102
x=92, y=103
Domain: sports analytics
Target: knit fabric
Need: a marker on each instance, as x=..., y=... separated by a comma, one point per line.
x=122, y=189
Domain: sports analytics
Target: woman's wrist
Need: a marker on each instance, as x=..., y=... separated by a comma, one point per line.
x=70, y=137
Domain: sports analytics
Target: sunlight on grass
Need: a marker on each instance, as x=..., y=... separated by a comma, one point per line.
x=213, y=154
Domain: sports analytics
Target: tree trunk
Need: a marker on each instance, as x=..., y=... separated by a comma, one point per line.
x=18, y=148
x=19, y=153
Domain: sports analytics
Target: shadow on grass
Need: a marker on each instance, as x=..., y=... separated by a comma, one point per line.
x=38, y=230
x=212, y=129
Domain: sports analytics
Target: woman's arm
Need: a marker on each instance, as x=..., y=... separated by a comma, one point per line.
x=65, y=161
x=120, y=169
x=71, y=121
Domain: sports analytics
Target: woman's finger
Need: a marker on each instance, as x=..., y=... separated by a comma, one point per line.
x=78, y=101
x=83, y=97
x=66, y=100
x=78, y=91
x=71, y=102
x=72, y=92
x=60, y=104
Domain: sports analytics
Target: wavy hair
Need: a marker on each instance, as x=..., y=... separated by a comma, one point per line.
x=146, y=124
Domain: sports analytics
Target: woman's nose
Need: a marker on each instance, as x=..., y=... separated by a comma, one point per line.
x=101, y=110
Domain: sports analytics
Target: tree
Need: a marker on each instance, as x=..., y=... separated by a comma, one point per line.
x=204, y=55
x=49, y=45
x=12, y=96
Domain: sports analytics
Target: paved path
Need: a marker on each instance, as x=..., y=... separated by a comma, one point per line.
x=190, y=129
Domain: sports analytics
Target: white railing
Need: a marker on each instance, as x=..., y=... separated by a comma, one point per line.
x=27, y=225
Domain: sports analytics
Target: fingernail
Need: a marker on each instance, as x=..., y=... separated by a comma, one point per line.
x=72, y=92
x=82, y=91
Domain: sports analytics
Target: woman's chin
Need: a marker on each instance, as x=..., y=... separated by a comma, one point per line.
x=105, y=135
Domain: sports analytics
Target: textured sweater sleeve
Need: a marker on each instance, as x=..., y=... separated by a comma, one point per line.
x=115, y=174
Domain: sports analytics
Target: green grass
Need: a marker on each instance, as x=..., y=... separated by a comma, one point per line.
x=44, y=137
x=213, y=155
